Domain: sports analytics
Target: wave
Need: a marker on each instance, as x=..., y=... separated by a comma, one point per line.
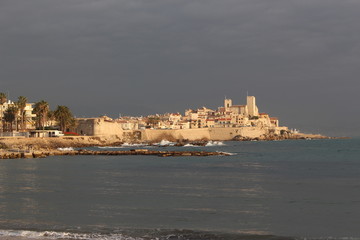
x=134, y=145
x=125, y=145
x=109, y=147
x=156, y=234
x=66, y=149
x=164, y=143
x=153, y=234
x=24, y=234
x=190, y=145
x=214, y=143
x=231, y=154
x=128, y=145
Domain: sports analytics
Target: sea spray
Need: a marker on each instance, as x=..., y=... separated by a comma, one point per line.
x=190, y=145
x=134, y=234
x=165, y=143
x=214, y=143
x=66, y=149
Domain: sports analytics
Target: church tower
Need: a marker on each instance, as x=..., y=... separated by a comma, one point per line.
x=227, y=104
x=252, y=108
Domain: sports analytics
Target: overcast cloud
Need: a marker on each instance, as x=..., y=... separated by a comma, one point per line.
x=301, y=59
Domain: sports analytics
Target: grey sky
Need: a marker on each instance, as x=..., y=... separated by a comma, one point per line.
x=301, y=59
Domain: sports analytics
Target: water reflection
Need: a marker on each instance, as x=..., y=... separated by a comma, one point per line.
x=19, y=184
x=264, y=189
x=222, y=192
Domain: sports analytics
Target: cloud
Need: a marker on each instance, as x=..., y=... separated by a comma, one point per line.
x=172, y=55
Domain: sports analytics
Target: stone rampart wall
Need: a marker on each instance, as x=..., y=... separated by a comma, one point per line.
x=215, y=134
x=224, y=134
x=85, y=127
x=175, y=134
x=98, y=127
x=104, y=128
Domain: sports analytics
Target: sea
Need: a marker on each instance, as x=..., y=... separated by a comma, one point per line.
x=293, y=189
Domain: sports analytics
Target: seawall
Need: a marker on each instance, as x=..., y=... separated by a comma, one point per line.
x=214, y=134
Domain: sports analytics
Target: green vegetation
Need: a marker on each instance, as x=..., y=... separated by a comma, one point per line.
x=64, y=118
x=41, y=109
x=3, y=99
x=21, y=104
x=16, y=115
x=10, y=117
x=153, y=121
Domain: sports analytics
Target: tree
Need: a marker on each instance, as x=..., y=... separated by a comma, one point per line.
x=64, y=117
x=21, y=104
x=10, y=116
x=153, y=121
x=3, y=99
x=51, y=116
x=41, y=109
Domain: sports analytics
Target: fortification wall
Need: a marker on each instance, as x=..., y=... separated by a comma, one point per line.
x=85, y=127
x=104, y=128
x=224, y=134
x=175, y=134
x=98, y=127
x=218, y=134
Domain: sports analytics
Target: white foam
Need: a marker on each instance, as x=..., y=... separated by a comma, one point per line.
x=125, y=145
x=165, y=143
x=109, y=147
x=62, y=235
x=66, y=149
x=134, y=145
x=190, y=145
x=229, y=153
x=214, y=143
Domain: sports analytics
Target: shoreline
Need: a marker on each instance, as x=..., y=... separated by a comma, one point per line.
x=22, y=147
x=53, y=143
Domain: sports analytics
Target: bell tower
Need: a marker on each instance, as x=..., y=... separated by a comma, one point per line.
x=251, y=104
x=227, y=103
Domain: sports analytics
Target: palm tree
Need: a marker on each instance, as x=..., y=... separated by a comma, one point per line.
x=51, y=116
x=3, y=99
x=10, y=116
x=21, y=103
x=41, y=109
x=64, y=117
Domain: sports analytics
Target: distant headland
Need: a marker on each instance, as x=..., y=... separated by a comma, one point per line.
x=33, y=125
x=228, y=122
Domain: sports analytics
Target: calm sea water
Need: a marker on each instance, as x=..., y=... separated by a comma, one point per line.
x=267, y=190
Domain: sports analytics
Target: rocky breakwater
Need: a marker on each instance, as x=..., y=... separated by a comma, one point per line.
x=284, y=135
x=42, y=154
x=154, y=153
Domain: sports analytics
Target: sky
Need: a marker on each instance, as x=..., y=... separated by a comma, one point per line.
x=301, y=59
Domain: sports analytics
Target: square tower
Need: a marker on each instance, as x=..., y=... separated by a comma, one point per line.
x=227, y=104
x=252, y=108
